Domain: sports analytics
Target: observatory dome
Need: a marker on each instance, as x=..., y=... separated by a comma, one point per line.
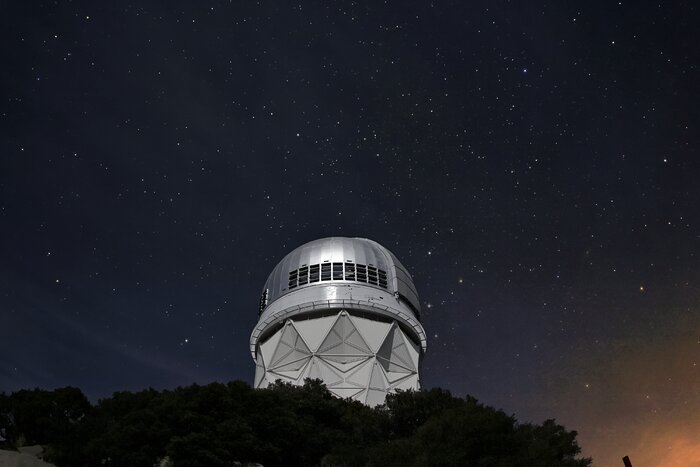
x=343, y=260
x=343, y=310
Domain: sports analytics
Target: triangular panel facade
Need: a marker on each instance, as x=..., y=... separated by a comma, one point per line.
x=291, y=350
x=355, y=357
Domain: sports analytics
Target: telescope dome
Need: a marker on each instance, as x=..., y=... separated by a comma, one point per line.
x=343, y=310
x=341, y=260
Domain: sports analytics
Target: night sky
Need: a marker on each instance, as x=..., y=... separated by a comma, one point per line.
x=534, y=165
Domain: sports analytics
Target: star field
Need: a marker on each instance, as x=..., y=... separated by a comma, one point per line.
x=534, y=165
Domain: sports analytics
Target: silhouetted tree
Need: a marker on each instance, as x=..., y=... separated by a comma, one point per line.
x=221, y=424
x=40, y=417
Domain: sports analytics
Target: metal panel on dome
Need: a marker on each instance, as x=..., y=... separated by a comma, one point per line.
x=404, y=283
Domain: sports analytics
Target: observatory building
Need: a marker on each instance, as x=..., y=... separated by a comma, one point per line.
x=343, y=310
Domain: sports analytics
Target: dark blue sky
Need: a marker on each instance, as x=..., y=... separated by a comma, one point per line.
x=534, y=165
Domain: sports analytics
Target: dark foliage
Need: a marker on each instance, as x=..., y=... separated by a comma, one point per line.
x=41, y=417
x=219, y=425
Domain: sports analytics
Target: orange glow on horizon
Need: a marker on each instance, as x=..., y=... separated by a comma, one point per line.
x=643, y=399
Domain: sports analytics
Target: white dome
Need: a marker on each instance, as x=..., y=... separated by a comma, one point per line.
x=360, y=260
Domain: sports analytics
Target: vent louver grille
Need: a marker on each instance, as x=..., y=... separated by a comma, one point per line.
x=263, y=301
x=349, y=272
x=325, y=272
x=313, y=273
x=303, y=275
x=337, y=272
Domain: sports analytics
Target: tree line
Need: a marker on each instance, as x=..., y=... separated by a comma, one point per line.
x=283, y=425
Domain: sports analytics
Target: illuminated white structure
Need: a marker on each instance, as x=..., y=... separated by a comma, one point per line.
x=343, y=310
